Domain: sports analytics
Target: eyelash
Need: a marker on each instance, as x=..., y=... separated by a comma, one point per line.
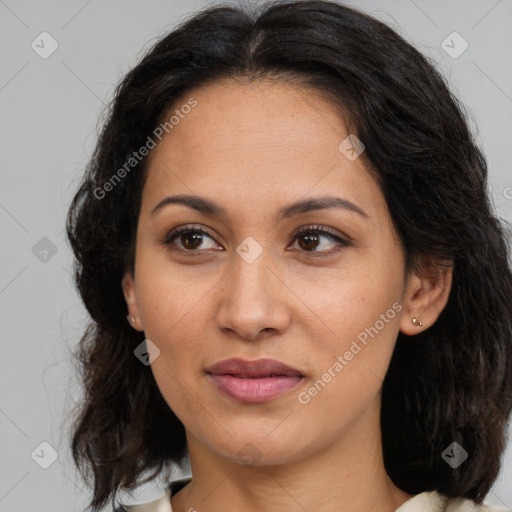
x=312, y=229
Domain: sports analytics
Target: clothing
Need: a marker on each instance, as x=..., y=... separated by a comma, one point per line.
x=423, y=502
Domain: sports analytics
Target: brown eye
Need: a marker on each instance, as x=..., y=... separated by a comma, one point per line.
x=310, y=238
x=190, y=238
x=310, y=241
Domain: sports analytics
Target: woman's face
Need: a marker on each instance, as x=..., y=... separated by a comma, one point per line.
x=329, y=305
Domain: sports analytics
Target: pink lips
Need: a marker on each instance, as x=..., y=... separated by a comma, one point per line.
x=254, y=381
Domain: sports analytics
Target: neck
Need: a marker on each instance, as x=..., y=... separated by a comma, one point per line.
x=347, y=474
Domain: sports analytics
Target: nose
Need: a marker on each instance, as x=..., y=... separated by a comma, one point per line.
x=254, y=300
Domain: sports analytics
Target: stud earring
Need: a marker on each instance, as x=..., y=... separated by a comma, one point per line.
x=131, y=318
x=417, y=322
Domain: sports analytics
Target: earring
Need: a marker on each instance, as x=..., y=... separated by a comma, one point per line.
x=417, y=322
x=131, y=318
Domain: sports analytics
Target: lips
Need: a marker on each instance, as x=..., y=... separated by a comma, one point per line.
x=253, y=369
x=254, y=381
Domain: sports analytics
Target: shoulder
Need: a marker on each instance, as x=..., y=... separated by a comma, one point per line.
x=435, y=502
x=162, y=504
x=465, y=505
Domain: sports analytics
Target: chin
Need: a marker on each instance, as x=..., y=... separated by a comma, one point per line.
x=263, y=451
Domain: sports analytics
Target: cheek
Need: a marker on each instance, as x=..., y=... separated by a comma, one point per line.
x=352, y=300
x=172, y=299
x=358, y=317
x=349, y=372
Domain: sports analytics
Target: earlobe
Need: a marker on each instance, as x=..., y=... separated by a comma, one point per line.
x=128, y=288
x=130, y=297
x=426, y=296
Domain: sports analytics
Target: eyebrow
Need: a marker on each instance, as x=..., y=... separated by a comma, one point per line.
x=207, y=207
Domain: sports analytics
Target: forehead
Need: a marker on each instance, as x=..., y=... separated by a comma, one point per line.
x=250, y=114
x=270, y=138
x=270, y=121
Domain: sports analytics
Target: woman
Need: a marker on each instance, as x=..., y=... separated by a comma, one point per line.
x=296, y=280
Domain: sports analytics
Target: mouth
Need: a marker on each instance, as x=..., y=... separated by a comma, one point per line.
x=254, y=381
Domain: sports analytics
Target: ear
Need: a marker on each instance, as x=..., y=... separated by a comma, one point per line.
x=130, y=297
x=426, y=295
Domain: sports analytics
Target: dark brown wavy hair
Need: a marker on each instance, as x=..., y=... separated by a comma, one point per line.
x=452, y=382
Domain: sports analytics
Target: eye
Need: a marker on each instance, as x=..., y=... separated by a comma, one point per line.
x=191, y=238
x=311, y=236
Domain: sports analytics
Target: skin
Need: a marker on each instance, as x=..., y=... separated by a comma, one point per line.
x=254, y=148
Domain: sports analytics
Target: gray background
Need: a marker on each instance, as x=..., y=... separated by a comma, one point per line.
x=49, y=111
